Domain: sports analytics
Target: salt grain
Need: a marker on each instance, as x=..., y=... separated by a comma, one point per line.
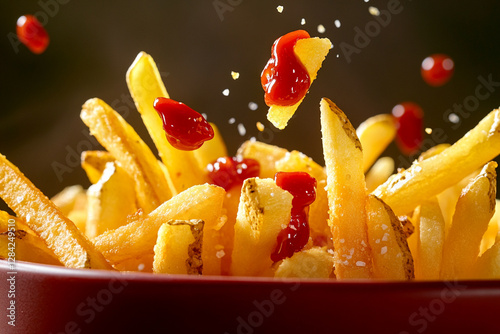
x=374, y=11
x=385, y=237
x=303, y=21
x=280, y=9
x=225, y=92
x=321, y=29
x=241, y=130
x=252, y=106
x=337, y=23
x=360, y=264
x=383, y=250
x=140, y=267
x=220, y=254
x=428, y=131
x=235, y=75
x=231, y=120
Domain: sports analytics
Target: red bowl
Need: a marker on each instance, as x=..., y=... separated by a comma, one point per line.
x=50, y=299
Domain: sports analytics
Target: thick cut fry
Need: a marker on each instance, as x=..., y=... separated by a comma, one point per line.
x=70, y=198
x=211, y=150
x=318, y=211
x=231, y=202
x=59, y=233
x=493, y=230
x=139, y=236
x=311, y=52
x=179, y=247
x=475, y=207
x=94, y=162
x=121, y=140
x=265, y=154
x=143, y=263
x=145, y=85
x=110, y=201
x=381, y=170
x=311, y=263
x=375, y=134
x=347, y=196
x=430, y=241
x=392, y=258
x=425, y=179
x=264, y=210
x=488, y=265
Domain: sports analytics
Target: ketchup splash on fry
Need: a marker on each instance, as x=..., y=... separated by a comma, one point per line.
x=409, y=123
x=285, y=79
x=185, y=128
x=227, y=172
x=296, y=235
x=32, y=34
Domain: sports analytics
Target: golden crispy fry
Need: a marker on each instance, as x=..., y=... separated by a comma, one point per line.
x=392, y=258
x=94, y=162
x=211, y=150
x=435, y=150
x=264, y=210
x=311, y=52
x=110, y=201
x=59, y=233
x=381, y=170
x=231, y=202
x=375, y=134
x=493, y=230
x=145, y=85
x=69, y=198
x=179, y=247
x=121, y=140
x=311, y=263
x=430, y=241
x=488, y=265
x=143, y=263
x=265, y=154
x=139, y=236
x=318, y=213
x=347, y=196
x=475, y=207
x=425, y=179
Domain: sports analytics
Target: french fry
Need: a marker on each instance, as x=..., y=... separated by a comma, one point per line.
x=265, y=154
x=264, y=210
x=179, y=247
x=231, y=202
x=311, y=263
x=211, y=150
x=375, y=134
x=70, y=198
x=475, y=207
x=94, y=162
x=145, y=85
x=493, y=230
x=392, y=258
x=110, y=201
x=430, y=240
x=347, y=196
x=121, y=140
x=139, y=236
x=318, y=211
x=59, y=233
x=381, y=170
x=311, y=52
x=143, y=263
x=425, y=179
x=488, y=265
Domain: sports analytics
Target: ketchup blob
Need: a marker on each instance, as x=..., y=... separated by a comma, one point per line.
x=32, y=34
x=437, y=69
x=226, y=172
x=296, y=235
x=185, y=128
x=285, y=79
x=409, y=122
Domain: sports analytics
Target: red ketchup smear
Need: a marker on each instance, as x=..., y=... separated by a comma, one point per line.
x=409, y=122
x=437, y=69
x=228, y=172
x=32, y=34
x=285, y=79
x=296, y=235
x=185, y=128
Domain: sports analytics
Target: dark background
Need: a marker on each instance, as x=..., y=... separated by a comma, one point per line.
x=94, y=42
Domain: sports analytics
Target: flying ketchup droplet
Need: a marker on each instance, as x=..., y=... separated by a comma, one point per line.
x=285, y=79
x=185, y=128
x=228, y=172
x=296, y=235
x=32, y=34
x=437, y=69
x=409, y=123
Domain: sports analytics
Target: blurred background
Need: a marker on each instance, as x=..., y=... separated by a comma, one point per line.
x=197, y=44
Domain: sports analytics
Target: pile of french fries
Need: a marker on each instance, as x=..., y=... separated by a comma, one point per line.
x=434, y=220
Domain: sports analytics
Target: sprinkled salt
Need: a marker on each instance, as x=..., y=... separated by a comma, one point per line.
x=330, y=251
x=342, y=241
x=303, y=21
x=204, y=115
x=383, y=250
x=235, y=75
x=241, y=130
x=231, y=120
x=220, y=254
x=454, y=118
x=377, y=241
x=140, y=267
x=385, y=237
x=428, y=131
x=280, y=9
x=337, y=23
x=19, y=199
x=28, y=218
x=384, y=227
x=363, y=243
x=374, y=11
x=225, y=92
x=252, y=106
x=360, y=264
x=321, y=29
